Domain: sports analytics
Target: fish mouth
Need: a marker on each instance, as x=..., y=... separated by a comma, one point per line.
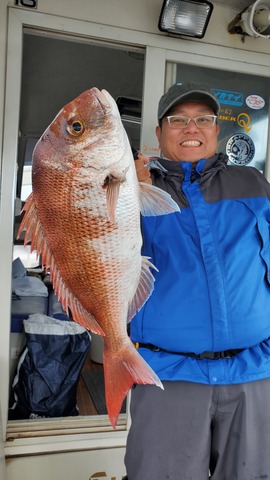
x=101, y=98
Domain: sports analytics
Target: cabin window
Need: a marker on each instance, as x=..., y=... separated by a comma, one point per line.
x=243, y=117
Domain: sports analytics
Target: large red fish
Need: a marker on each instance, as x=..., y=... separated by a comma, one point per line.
x=83, y=217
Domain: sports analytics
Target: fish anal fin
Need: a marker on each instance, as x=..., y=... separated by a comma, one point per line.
x=121, y=371
x=144, y=289
x=154, y=201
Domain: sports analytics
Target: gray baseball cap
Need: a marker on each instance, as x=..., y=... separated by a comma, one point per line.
x=187, y=92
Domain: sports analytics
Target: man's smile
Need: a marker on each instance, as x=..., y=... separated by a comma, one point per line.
x=190, y=143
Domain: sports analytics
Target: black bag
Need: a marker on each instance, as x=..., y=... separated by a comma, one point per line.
x=49, y=368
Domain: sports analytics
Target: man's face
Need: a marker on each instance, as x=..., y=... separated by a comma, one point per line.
x=191, y=143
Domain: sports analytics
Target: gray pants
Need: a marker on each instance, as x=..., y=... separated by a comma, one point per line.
x=189, y=429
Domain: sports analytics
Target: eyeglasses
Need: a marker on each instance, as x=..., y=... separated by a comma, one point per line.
x=204, y=121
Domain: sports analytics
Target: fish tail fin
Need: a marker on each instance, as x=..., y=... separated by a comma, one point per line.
x=121, y=371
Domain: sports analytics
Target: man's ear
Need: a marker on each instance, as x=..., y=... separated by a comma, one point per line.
x=158, y=132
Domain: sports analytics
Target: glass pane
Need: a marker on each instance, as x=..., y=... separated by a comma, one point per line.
x=243, y=116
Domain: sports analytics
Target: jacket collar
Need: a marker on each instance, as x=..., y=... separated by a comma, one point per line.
x=204, y=166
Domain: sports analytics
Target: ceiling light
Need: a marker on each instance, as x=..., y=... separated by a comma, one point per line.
x=185, y=17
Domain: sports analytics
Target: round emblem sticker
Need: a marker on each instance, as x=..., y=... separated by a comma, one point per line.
x=255, y=102
x=240, y=149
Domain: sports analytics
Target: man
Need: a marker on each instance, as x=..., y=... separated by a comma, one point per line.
x=205, y=329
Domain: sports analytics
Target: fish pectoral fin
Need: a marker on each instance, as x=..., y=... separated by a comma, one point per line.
x=113, y=186
x=121, y=370
x=154, y=201
x=144, y=289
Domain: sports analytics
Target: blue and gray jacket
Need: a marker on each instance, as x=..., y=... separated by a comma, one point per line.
x=212, y=291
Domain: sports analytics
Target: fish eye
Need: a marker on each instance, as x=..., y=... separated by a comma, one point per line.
x=75, y=127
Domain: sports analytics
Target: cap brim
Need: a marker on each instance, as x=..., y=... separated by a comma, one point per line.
x=194, y=96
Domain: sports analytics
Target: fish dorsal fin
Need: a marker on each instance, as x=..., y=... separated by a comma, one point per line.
x=34, y=234
x=154, y=201
x=70, y=302
x=144, y=289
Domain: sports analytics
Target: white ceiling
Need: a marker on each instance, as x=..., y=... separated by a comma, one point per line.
x=239, y=5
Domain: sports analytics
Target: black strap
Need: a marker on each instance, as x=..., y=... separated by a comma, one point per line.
x=201, y=356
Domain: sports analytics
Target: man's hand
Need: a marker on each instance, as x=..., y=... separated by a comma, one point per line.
x=142, y=171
